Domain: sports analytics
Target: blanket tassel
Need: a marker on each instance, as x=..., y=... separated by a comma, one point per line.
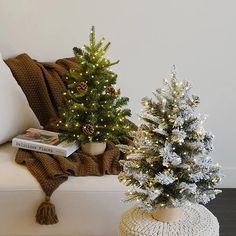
x=46, y=213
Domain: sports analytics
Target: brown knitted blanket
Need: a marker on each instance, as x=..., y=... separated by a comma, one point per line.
x=42, y=84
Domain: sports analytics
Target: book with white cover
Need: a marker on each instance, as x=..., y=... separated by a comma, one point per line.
x=44, y=141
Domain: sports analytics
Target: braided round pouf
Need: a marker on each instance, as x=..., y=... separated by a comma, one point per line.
x=197, y=221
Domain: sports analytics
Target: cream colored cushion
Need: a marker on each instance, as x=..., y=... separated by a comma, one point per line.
x=85, y=206
x=15, y=113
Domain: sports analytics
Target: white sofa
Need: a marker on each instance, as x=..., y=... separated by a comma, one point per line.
x=86, y=206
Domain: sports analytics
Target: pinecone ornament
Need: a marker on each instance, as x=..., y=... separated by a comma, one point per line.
x=82, y=87
x=111, y=91
x=88, y=129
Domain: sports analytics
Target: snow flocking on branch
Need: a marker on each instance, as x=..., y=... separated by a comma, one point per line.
x=170, y=164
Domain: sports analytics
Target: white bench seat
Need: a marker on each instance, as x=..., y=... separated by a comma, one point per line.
x=86, y=206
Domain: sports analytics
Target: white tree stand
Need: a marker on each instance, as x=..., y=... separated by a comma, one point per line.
x=197, y=221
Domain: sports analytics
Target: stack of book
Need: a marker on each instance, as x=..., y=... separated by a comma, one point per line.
x=44, y=141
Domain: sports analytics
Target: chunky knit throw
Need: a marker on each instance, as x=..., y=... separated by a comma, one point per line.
x=42, y=84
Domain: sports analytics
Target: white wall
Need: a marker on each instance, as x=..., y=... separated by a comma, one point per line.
x=148, y=37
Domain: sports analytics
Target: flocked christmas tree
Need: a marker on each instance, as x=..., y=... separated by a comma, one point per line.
x=93, y=110
x=170, y=164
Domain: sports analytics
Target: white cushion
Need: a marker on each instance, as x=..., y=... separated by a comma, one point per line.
x=85, y=206
x=15, y=113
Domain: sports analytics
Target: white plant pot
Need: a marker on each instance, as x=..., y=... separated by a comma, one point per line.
x=165, y=214
x=94, y=148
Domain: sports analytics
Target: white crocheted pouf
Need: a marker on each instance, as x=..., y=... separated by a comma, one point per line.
x=197, y=221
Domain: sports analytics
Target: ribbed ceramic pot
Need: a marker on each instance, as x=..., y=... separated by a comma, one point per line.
x=165, y=214
x=93, y=148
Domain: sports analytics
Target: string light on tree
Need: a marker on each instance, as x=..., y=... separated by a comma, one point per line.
x=172, y=159
x=92, y=103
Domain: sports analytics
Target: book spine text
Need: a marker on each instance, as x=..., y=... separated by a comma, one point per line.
x=37, y=147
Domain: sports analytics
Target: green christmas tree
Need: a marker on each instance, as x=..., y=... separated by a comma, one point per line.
x=170, y=164
x=94, y=109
